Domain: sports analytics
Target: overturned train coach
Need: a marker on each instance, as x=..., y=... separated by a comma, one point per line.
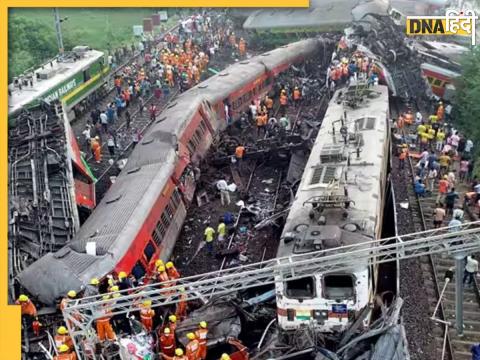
x=141, y=215
x=339, y=202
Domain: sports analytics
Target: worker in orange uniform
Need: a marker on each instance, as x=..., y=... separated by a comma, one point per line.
x=178, y=355
x=242, y=47
x=28, y=308
x=72, y=294
x=440, y=111
x=65, y=354
x=242, y=350
x=172, y=323
x=163, y=276
x=201, y=335
x=167, y=342
x=172, y=271
x=96, y=149
x=62, y=337
x=146, y=315
x=191, y=349
x=283, y=102
x=104, y=328
x=153, y=266
x=297, y=96
x=181, y=311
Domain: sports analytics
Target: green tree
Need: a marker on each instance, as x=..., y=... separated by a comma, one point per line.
x=30, y=43
x=467, y=102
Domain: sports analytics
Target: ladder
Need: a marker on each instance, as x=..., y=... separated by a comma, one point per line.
x=80, y=314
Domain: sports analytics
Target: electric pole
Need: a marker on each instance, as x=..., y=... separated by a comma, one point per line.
x=58, y=29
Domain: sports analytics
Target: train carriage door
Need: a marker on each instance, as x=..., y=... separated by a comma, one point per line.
x=187, y=184
x=209, y=116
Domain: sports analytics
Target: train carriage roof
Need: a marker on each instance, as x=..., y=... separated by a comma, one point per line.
x=327, y=172
x=112, y=225
x=331, y=15
x=58, y=73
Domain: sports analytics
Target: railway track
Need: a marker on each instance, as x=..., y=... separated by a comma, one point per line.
x=448, y=344
x=141, y=122
x=433, y=270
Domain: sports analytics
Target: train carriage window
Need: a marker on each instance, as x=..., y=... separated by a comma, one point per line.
x=303, y=288
x=149, y=251
x=161, y=230
x=166, y=220
x=339, y=286
x=157, y=236
x=138, y=270
x=169, y=211
x=175, y=199
x=203, y=126
x=199, y=133
x=430, y=80
x=191, y=147
x=86, y=75
x=437, y=82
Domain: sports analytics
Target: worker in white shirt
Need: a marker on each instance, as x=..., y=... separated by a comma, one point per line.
x=470, y=269
x=222, y=186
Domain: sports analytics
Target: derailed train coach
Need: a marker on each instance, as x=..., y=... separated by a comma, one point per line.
x=339, y=203
x=141, y=215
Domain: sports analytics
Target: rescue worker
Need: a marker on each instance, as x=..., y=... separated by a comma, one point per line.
x=104, y=328
x=172, y=271
x=242, y=47
x=124, y=282
x=239, y=153
x=221, y=230
x=167, y=343
x=62, y=338
x=92, y=288
x=209, y=232
x=178, y=355
x=181, y=310
x=283, y=102
x=28, y=308
x=191, y=349
x=96, y=149
x=201, y=335
x=242, y=350
x=297, y=96
x=146, y=315
x=65, y=354
x=172, y=323
x=72, y=294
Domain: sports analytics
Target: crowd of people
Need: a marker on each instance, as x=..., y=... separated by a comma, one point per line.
x=444, y=161
x=110, y=324
x=177, y=60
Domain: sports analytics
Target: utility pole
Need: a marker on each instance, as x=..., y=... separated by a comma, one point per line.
x=58, y=29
